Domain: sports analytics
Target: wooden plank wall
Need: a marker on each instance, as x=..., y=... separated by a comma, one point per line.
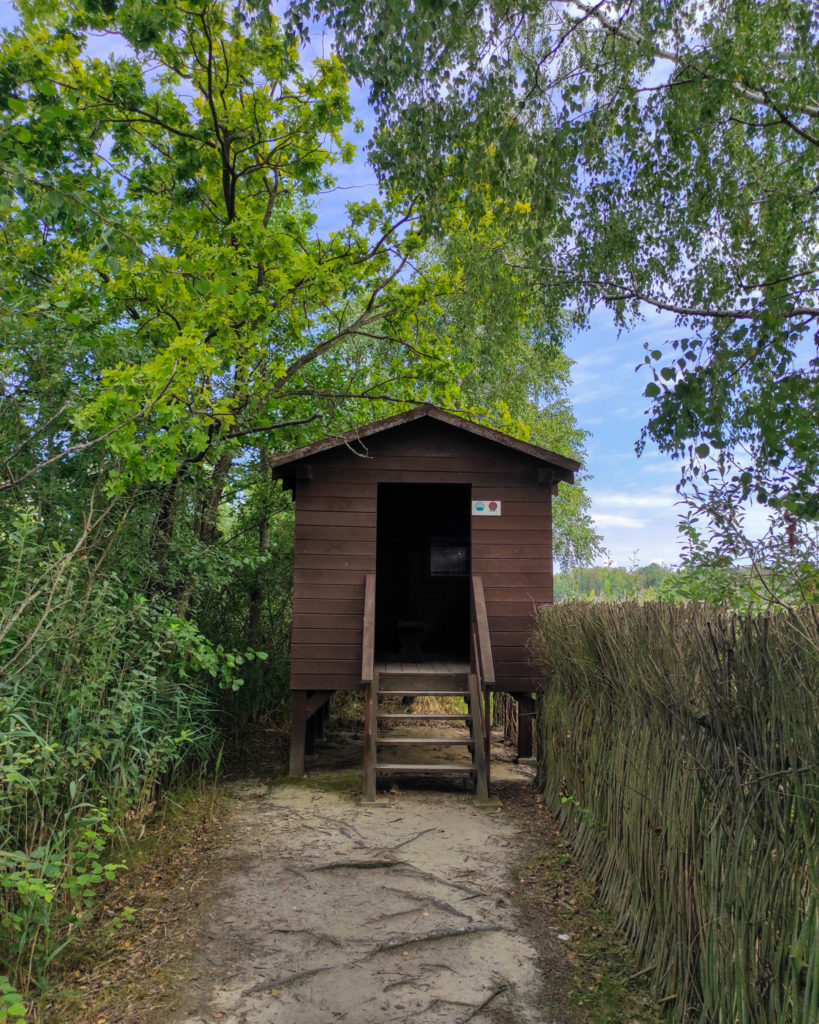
x=335, y=546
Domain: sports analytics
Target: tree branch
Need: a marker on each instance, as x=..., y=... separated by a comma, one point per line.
x=75, y=449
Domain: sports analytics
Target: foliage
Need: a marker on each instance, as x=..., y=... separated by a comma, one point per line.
x=104, y=695
x=174, y=313
x=11, y=1005
x=612, y=583
x=664, y=153
x=507, y=341
x=725, y=566
x=712, y=867
x=174, y=251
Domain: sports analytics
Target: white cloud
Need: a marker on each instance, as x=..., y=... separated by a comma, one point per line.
x=624, y=499
x=604, y=520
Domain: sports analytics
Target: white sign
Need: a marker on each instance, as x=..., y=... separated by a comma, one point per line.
x=488, y=507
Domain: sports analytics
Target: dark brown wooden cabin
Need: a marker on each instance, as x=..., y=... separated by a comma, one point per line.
x=410, y=533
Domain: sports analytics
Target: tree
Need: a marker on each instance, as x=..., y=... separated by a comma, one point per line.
x=173, y=251
x=174, y=255
x=507, y=338
x=173, y=314
x=667, y=153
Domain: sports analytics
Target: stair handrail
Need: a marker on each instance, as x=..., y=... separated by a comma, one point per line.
x=368, y=631
x=483, y=643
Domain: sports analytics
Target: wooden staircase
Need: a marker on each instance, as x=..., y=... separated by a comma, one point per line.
x=389, y=682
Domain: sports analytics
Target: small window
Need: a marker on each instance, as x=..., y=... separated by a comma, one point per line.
x=449, y=556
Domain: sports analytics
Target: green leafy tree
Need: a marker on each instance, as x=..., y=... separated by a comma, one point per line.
x=667, y=152
x=507, y=336
x=173, y=253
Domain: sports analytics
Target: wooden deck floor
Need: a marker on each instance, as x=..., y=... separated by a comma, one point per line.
x=442, y=668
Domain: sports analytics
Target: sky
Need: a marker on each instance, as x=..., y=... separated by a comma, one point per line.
x=634, y=502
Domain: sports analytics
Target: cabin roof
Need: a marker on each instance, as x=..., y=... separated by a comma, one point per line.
x=565, y=468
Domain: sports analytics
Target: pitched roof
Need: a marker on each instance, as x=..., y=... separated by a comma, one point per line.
x=566, y=468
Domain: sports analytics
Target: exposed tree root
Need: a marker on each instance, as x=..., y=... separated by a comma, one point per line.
x=412, y=839
x=429, y=900
x=290, y=979
x=318, y=936
x=490, y=998
x=382, y=947
x=434, y=936
x=358, y=865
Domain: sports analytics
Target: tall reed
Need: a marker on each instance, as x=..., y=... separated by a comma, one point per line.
x=680, y=748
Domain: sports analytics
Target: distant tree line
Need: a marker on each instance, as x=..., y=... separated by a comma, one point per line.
x=612, y=583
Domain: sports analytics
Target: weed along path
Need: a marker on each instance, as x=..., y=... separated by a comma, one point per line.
x=327, y=910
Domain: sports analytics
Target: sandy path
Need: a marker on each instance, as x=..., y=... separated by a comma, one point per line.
x=327, y=910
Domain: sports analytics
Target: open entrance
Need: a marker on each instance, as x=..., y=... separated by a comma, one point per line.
x=422, y=572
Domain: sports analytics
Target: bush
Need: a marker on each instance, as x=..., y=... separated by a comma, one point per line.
x=103, y=696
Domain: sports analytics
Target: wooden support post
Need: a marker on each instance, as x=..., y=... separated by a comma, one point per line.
x=367, y=726
x=479, y=755
x=507, y=718
x=526, y=714
x=487, y=733
x=370, y=738
x=298, y=728
x=310, y=734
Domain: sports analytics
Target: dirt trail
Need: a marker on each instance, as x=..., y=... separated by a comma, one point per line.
x=328, y=910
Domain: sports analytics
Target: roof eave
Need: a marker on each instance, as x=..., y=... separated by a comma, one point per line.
x=563, y=467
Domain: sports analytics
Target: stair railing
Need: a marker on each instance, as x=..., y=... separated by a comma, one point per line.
x=482, y=645
x=483, y=670
x=368, y=632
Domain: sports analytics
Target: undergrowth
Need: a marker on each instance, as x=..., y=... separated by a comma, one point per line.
x=108, y=695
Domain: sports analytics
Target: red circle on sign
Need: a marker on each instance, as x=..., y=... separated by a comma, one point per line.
x=493, y=505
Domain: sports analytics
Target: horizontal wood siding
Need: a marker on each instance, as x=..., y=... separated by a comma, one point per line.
x=512, y=553
x=334, y=549
x=335, y=546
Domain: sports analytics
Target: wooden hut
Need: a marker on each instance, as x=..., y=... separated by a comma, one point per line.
x=423, y=548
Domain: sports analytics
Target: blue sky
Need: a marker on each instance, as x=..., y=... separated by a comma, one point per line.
x=633, y=500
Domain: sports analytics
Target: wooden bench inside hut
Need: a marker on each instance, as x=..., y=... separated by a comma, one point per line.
x=423, y=549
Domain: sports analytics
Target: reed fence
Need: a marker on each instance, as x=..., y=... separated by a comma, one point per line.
x=680, y=749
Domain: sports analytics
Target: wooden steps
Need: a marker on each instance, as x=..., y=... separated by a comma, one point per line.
x=417, y=680
x=424, y=717
x=420, y=741
x=422, y=692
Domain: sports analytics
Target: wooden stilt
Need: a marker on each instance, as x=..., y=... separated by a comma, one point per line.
x=481, y=782
x=526, y=714
x=310, y=734
x=298, y=724
x=370, y=738
x=487, y=733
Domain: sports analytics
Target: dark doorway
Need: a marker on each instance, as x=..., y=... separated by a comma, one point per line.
x=422, y=572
